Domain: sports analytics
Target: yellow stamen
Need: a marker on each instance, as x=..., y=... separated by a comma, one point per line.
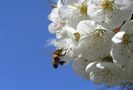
x=99, y=33
x=83, y=8
x=77, y=36
x=107, y=5
x=126, y=39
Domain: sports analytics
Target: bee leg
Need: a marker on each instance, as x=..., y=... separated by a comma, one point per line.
x=61, y=62
x=55, y=64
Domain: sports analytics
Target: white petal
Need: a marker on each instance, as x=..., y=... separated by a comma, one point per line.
x=71, y=2
x=121, y=11
x=119, y=17
x=72, y=33
x=96, y=13
x=60, y=34
x=122, y=48
x=51, y=28
x=76, y=18
x=54, y=27
x=86, y=26
x=118, y=37
x=105, y=73
x=79, y=67
x=54, y=16
x=65, y=12
x=95, y=41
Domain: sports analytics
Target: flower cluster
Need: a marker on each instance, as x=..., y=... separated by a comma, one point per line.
x=97, y=36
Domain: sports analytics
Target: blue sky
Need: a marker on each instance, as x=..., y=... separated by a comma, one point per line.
x=25, y=62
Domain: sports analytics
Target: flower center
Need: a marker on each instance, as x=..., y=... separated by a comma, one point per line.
x=126, y=38
x=99, y=32
x=99, y=39
x=77, y=36
x=107, y=5
x=83, y=8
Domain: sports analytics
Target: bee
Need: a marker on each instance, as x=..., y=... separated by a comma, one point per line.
x=57, y=58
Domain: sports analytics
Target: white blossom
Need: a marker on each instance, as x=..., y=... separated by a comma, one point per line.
x=79, y=67
x=113, y=12
x=72, y=2
x=54, y=27
x=95, y=40
x=122, y=49
x=105, y=73
x=74, y=13
x=57, y=22
x=54, y=16
x=97, y=37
